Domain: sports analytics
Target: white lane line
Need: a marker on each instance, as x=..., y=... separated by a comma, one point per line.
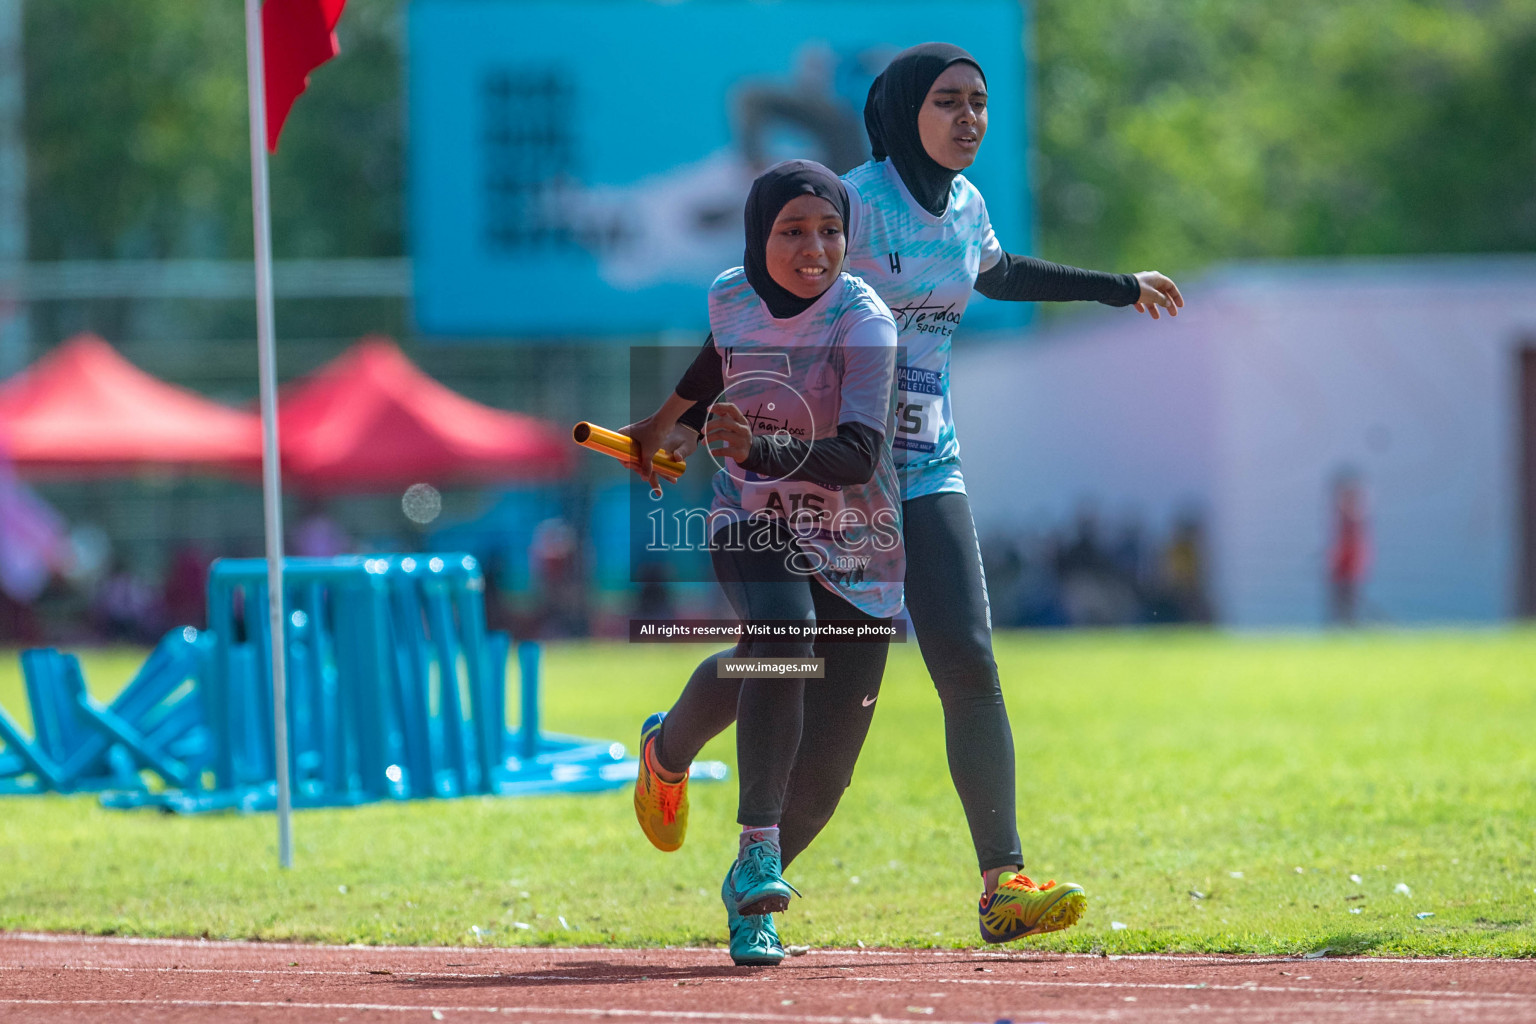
x=1020, y=956
x=1207, y=987
x=360, y=973
x=560, y=1011
x=409, y=975
x=357, y=947
x=400, y=973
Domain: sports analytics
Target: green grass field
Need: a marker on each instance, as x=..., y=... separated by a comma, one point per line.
x=1265, y=773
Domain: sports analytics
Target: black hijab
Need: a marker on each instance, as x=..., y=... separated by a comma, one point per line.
x=890, y=117
x=771, y=192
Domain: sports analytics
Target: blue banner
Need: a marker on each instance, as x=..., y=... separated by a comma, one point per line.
x=580, y=167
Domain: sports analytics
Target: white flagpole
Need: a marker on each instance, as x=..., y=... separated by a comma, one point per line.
x=271, y=477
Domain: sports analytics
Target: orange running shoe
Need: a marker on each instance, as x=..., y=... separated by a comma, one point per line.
x=661, y=807
x=1019, y=907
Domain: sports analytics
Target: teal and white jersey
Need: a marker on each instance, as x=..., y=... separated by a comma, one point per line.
x=924, y=267
x=801, y=377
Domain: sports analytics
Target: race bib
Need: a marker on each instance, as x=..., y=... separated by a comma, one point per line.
x=919, y=409
x=797, y=502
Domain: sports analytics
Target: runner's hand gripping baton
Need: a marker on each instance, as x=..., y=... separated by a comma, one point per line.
x=625, y=449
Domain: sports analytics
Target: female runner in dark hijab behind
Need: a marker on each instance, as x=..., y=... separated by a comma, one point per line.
x=920, y=235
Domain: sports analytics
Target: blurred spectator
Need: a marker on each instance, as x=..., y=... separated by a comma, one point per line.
x=1095, y=591
x=318, y=535
x=654, y=601
x=1127, y=553
x=1349, y=554
x=555, y=555
x=186, y=587
x=1038, y=600
x=498, y=612
x=127, y=608
x=1183, y=571
x=34, y=546
x=33, y=541
x=18, y=622
x=1083, y=554
x=1059, y=578
x=1003, y=563
x=90, y=555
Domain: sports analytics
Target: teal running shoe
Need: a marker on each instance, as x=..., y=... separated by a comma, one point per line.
x=755, y=883
x=754, y=940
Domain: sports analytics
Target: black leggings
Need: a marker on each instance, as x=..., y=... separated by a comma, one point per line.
x=947, y=601
x=946, y=596
x=797, y=739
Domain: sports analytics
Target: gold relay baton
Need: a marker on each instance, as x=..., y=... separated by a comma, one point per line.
x=625, y=449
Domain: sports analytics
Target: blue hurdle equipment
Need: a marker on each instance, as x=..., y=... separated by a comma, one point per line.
x=396, y=690
x=154, y=724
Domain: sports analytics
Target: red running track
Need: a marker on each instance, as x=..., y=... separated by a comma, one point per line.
x=164, y=981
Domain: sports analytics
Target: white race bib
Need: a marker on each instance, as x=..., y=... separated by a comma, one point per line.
x=798, y=502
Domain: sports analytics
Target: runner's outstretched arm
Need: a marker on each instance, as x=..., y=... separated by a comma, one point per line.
x=1016, y=278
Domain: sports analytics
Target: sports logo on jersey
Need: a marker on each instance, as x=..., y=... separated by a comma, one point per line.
x=919, y=381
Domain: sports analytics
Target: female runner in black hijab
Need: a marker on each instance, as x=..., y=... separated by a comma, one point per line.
x=811, y=487
x=920, y=235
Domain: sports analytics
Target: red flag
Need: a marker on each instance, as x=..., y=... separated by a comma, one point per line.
x=299, y=36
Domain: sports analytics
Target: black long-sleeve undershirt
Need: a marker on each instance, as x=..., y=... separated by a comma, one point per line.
x=1026, y=279
x=848, y=458
x=702, y=383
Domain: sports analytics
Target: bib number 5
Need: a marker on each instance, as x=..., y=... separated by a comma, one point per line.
x=917, y=422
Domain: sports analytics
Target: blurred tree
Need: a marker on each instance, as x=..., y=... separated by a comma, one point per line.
x=1178, y=133
x=1169, y=133
x=137, y=135
x=138, y=145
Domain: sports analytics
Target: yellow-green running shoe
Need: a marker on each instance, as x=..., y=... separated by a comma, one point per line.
x=1019, y=907
x=660, y=807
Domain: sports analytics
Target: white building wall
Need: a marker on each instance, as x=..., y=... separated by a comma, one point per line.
x=1271, y=381
x=1116, y=412
x=1408, y=378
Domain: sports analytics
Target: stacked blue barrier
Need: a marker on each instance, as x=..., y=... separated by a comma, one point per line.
x=339, y=675
x=155, y=724
x=396, y=690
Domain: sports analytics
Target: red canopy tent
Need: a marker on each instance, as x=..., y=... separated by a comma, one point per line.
x=371, y=420
x=85, y=410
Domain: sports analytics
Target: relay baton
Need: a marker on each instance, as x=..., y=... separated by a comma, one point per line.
x=625, y=449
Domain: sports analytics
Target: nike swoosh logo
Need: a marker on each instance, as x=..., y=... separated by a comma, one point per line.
x=868, y=701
